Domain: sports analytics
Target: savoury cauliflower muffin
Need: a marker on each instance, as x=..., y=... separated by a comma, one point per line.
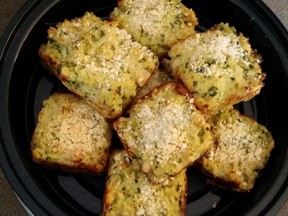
x=241, y=151
x=71, y=135
x=157, y=24
x=98, y=61
x=165, y=131
x=218, y=67
x=130, y=192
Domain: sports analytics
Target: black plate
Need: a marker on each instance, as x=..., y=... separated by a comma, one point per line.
x=24, y=84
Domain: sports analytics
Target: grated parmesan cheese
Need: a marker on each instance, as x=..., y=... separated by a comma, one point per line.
x=162, y=134
x=218, y=67
x=80, y=132
x=130, y=189
x=157, y=24
x=165, y=131
x=70, y=133
x=149, y=16
x=242, y=150
x=151, y=204
x=214, y=51
x=98, y=61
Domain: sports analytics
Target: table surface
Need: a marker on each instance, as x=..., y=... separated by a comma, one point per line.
x=9, y=203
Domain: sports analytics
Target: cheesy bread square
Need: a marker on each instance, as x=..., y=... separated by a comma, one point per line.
x=97, y=61
x=71, y=135
x=157, y=24
x=130, y=192
x=218, y=67
x=164, y=131
x=241, y=151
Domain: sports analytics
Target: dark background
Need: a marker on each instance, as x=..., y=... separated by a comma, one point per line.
x=9, y=204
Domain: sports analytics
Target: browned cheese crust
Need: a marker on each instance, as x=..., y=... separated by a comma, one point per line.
x=71, y=135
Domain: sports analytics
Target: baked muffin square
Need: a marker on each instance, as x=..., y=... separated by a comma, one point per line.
x=71, y=135
x=218, y=67
x=129, y=191
x=164, y=131
x=157, y=24
x=240, y=153
x=97, y=61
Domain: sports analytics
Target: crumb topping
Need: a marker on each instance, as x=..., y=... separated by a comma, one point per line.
x=78, y=128
x=100, y=62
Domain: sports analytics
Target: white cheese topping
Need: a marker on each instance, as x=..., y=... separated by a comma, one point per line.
x=151, y=204
x=237, y=144
x=212, y=51
x=79, y=130
x=164, y=133
x=149, y=15
x=112, y=60
x=162, y=123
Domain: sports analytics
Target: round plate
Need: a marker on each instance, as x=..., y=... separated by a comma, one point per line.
x=24, y=84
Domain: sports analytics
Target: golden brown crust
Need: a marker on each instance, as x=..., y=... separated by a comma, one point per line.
x=97, y=61
x=218, y=66
x=128, y=187
x=70, y=135
x=241, y=151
